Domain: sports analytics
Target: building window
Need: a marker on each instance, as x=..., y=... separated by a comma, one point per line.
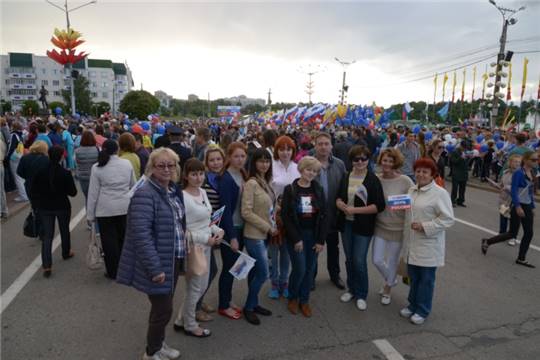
x=105, y=95
x=94, y=94
x=104, y=84
x=94, y=85
x=22, y=92
x=7, y=81
x=92, y=73
x=56, y=82
x=44, y=71
x=45, y=82
x=55, y=71
x=57, y=93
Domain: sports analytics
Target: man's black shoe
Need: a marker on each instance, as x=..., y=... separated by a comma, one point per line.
x=338, y=283
x=262, y=311
x=251, y=317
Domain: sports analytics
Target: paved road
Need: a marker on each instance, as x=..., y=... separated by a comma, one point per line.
x=485, y=307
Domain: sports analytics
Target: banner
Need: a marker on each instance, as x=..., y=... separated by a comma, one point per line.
x=473, y=83
x=463, y=85
x=524, y=82
x=399, y=202
x=509, y=91
x=454, y=79
x=445, y=79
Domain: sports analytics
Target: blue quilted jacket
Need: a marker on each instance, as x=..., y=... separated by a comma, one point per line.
x=149, y=243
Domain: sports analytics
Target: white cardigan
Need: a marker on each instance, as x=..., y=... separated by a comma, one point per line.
x=431, y=206
x=108, y=192
x=198, y=217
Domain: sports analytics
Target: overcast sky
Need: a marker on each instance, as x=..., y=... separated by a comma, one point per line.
x=229, y=49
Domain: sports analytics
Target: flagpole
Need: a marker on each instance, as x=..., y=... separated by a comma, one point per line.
x=434, y=95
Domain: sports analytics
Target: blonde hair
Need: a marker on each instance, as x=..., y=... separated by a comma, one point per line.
x=212, y=149
x=162, y=152
x=309, y=162
x=394, y=154
x=39, y=147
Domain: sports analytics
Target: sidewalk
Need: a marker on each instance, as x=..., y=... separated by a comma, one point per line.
x=14, y=207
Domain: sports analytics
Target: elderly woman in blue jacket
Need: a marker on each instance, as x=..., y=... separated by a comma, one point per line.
x=155, y=247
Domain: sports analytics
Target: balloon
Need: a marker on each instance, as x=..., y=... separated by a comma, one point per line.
x=496, y=136
x=480, y=138
x=149, y=117
x=341, y=111
x=450, y=148
x=58, y=110
x=416, y=129
x=477, y=146
x=499, y=144
x=447, y=137
x=428, y=135
x=401, y=138
x=145, y=126
x=484, y=148
x=160, y=129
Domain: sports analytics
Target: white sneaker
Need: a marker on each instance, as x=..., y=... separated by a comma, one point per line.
x=512, y=242
x=169, y=352
x=417, y=319
x=361, y=304
x=405, y=312
x=386, y=299
x=156, y=356
x=346, y=297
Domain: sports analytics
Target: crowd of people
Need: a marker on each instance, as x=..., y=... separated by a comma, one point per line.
x=151, y=189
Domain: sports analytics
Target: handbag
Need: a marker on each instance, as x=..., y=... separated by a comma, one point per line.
x=31, y=225
x=504, y=210
x=402, y=268
x=197, y=264
x=94, y=260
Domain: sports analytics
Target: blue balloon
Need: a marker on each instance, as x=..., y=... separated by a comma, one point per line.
x=402, y=138
x=416, y=129
x=484, y=148
x=450, y=148
x=428, y=135
x=496, y=136
x=127, y=122
x=499, y=144
x=160, y=129
x=58, y=110
x=480, y=138
x=145, y=126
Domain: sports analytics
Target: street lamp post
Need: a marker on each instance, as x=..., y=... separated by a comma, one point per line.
x=310, y=85
x=507, y=20
x=66, y=10
x=344, y=87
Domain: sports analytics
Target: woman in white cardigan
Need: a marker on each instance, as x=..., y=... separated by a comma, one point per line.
x=424, y=235
x=202, y=233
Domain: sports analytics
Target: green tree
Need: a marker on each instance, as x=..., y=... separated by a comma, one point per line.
x=100, y=108
x=164, y=111
x=83, y=101
x=56, y=104
x=30, y=107
x=5, y=106
x=139, y=104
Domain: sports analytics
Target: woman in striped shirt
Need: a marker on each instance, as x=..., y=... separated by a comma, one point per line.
x=214, y=160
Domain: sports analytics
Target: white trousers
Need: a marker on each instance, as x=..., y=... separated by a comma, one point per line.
x=195, y=287
x=386, y=258
x=19, y=181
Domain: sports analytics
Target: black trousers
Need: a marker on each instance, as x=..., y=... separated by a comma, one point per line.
x=515, y=220
x=160, y=314
x=112, y=230
x=458, y=191
x=48, y=218
x=332, y=255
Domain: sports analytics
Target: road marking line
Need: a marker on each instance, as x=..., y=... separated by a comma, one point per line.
x=490, y=231
x=15, y=288
x=388, y=350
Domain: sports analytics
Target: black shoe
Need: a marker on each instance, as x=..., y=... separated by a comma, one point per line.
x=525, y=263
x=338, y=283
x=178, y=328
x=262, y=311
x=484, y=246
x=462, y=205
x=313, y=286
x=251, y=317
x=109, y=276
x=47, y=272
x=454, y=205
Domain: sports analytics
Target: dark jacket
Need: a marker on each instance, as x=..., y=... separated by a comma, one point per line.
x=289, y=214
x=341, y=151
x=29, y=165
x=51, y=187
x=183, y=152
x=335, y=172
x=460, y=168
x=363, y=224
x=229, y=194
x=149, y=243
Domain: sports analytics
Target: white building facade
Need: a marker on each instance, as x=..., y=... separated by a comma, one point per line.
x=22, y=75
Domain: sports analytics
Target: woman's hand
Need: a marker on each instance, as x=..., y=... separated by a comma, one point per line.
x=318, y=248
x=273, y=231
x=159, y=279
x=341, y=205
x=417, y=226
x=520, y=212
x=220, y=234
x=235, y=246
x=299, y=246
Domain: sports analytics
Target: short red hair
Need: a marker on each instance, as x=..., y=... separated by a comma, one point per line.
x=426, y=163
x=283, y=142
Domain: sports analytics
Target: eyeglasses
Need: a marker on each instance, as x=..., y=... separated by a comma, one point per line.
x=360, y=158
x=440, y=147
x=166, y=166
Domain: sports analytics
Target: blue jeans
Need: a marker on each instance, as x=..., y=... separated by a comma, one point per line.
x=303, y=264
x=279, y=273
x=421, y=291
x=259, y=273
x=356, y=248
x=228, y=258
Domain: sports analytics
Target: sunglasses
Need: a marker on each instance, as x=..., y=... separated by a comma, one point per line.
x=166, y=166
x=440, y=147
x=360, y=158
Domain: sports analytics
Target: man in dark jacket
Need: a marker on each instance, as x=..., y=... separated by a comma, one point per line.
x=460, y=174
x=342, y=147
x=175, y=135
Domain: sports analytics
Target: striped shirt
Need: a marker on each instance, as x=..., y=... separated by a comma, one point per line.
x=178, y=212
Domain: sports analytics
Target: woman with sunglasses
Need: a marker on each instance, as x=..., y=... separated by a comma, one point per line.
x=360, y=199
x=435, y=154
x=522, y=211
